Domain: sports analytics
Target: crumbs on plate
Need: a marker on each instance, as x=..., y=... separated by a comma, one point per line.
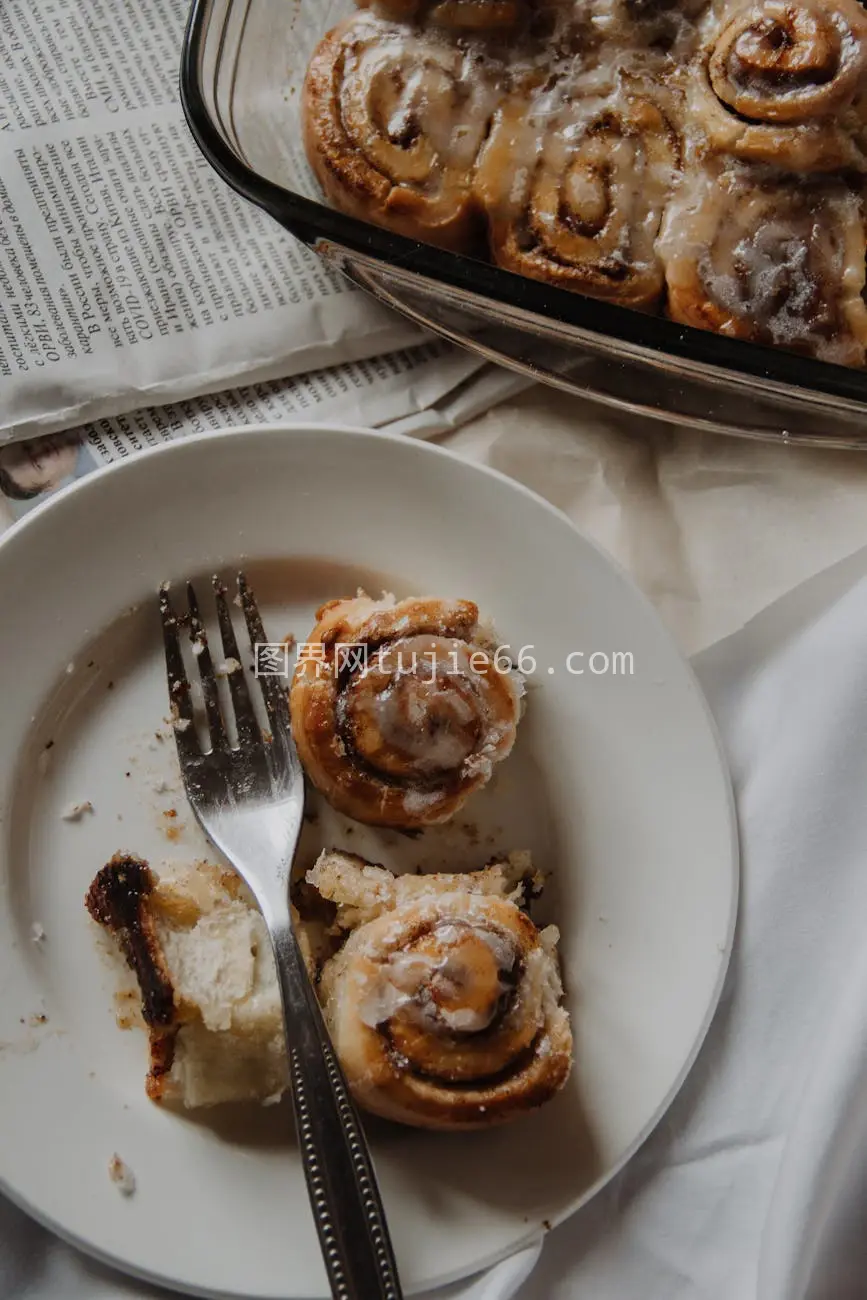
x=121, y=1175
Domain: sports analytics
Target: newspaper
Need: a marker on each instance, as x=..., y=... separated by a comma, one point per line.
x=130, y=275
x=420, y=392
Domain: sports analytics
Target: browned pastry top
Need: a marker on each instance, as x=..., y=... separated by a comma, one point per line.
x=444, y=1002
x=598, y=119
x=407, y=724
x=117, y=900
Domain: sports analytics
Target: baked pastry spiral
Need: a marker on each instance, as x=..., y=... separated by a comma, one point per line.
x=393, y=122
x=444, y=1004
x=400, y=710
x=577, y=200
x=781, y=82
x=753, y=257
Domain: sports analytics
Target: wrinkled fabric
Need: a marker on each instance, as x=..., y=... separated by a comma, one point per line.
x=712, y=529
x=753, y=1187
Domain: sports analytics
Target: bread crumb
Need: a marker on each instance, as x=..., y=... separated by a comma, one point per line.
x=121, y=1175
x=75, y=811
x=37, y=933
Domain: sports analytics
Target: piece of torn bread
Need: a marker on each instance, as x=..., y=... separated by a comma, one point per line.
x=361, y=892
x=201, y=955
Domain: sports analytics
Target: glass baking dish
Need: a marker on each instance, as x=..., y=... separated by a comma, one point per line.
x=242, y=71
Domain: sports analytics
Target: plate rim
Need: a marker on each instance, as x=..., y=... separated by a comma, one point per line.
x=126, y=465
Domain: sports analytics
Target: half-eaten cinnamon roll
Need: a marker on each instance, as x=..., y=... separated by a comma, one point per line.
x=200, y=979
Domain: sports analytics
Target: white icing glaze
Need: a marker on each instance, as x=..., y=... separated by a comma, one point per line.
x=795, y=67
x=405, y=977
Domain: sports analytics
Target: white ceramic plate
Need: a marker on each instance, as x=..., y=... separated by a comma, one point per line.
x=617, y=784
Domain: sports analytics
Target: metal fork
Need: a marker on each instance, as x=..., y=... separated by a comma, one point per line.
x=247, y=792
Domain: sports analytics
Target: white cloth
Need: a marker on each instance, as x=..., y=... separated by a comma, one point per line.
x=712, y=529
x=753, y=1186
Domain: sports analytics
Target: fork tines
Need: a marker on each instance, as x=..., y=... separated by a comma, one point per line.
x=274, y=695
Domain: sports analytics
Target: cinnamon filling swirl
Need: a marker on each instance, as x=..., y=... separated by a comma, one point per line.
x=393, y=124
x=780, y=81
x=770, y=263
x=564, y=135
x=588, y=208
x=444, y=1006
x=118, y=900
x=789, y=62
x=413, y=717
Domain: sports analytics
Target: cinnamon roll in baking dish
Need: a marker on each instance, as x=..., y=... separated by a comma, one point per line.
x=751, y=256
x=782, y=82
x=579, y=202
x=393, y=122
x=400, y=710
x=444, y=1002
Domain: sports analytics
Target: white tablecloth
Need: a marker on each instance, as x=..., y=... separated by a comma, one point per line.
x=752, y=1188
x=749, y=1190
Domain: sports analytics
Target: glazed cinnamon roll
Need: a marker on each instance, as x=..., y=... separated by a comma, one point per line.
x=444, y=1005
x=782, y=82
x=393, y=122
x=754, y=257
x=575, y=198
x=400, y=710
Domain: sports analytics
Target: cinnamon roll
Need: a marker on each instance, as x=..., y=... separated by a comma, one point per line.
x=393, y=122
x=576, y=197
x=444, y=1004
x=400, y=710
x=753, y=257
x=782, y=82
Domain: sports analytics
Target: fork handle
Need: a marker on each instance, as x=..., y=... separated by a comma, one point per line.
x=341, y=1182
